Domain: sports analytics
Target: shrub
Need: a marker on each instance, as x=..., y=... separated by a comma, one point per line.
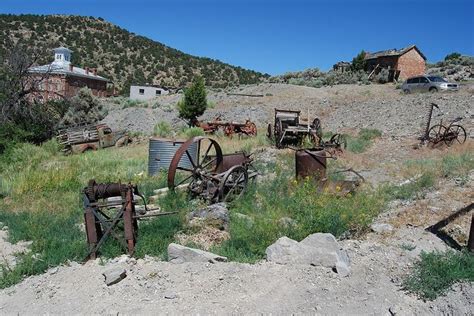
x=363, y=141
x=83, y=108
x=452, y=56
x=162, y=129
x=190, y=132
x=436, y=272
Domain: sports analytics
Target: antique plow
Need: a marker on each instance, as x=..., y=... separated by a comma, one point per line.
x=213, y=176
x=441, y=133
x=110, y=211
x=228, y=128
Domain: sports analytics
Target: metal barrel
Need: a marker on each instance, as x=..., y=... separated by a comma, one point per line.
x=310, y=163
x=162, y=150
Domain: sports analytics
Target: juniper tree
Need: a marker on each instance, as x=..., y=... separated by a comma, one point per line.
x=195, y=101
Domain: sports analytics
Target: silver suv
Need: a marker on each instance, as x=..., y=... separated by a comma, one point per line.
x=428, y=83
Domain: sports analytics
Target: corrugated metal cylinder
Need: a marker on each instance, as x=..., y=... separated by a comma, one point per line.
x=310, y=163
x=162, y=150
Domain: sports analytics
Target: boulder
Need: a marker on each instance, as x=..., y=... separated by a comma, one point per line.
x=318, y=249
x=216, y=215
x=381, y=228
x=181, y=254
x=114, y=275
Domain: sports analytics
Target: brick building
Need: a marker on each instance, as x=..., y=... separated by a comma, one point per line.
x=401, y=63
x=63, y=80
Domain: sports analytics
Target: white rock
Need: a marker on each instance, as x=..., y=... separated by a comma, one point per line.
x=381, y=228
x=180, y=254
x=114, y=275
x=318, y=249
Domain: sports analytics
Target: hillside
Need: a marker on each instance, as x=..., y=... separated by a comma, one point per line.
x=118, y=54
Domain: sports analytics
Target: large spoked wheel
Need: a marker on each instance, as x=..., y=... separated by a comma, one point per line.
x=455, y=133
x=194, y=164
x=339, y=141
x=278, y=134
x=436, y=133
x=233, y=184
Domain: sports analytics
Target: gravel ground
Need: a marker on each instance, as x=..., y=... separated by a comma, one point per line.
x=342, y=108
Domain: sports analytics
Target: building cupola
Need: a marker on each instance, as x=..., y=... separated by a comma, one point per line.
x=62, y=55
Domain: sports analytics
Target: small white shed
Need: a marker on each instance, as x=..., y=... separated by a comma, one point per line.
x=146, y=92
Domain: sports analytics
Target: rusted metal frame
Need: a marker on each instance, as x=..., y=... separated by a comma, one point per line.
x=98, y=214
x=93, y=229
x=470, y=242
x=129, y=222
x=436, y=228
x=106, y=233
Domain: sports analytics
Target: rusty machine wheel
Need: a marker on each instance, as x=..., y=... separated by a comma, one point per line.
x=454, y=133
x=233, y=183
x=278, y=130
x=229, y=130
x=339, y=141
x=250, y=128
x=200, y=178
x=435, y=134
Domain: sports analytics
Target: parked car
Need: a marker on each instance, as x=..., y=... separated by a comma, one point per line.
x=428, y=83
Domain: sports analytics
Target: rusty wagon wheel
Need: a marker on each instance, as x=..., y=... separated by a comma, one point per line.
x=436, y=133
x=202, y=164
x=278, y=134
x=339, y=141
x=454, y=133
x=233, y=184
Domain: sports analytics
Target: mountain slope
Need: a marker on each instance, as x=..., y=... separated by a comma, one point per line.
x=119, y=55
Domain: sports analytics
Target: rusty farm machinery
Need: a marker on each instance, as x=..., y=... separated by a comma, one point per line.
x=228, y=128
x=437, y=134
x=111, y=209
x=212, y=175
x=288, y=129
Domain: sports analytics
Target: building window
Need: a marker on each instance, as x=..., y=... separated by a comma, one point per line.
x=141, y=91
x=158, y=92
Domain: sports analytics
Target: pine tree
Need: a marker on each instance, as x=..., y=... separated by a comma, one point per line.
x=195, y=101
x=358, y=62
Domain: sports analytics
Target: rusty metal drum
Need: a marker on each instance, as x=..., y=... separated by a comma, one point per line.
x=311, y=163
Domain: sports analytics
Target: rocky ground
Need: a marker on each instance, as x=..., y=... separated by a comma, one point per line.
x=378, y=260
x=342, y=108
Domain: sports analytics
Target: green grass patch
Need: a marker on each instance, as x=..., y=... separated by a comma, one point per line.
x=363, y=140
x=436, y=272
x=311, y=211
x=414, y=189
x=56, y=239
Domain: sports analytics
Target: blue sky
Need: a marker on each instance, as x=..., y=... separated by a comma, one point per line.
x=279, y=36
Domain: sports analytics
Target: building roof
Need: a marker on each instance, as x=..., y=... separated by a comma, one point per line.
x=393, y=52
x=62, y=66
x=63, y=69
x=62, y=49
